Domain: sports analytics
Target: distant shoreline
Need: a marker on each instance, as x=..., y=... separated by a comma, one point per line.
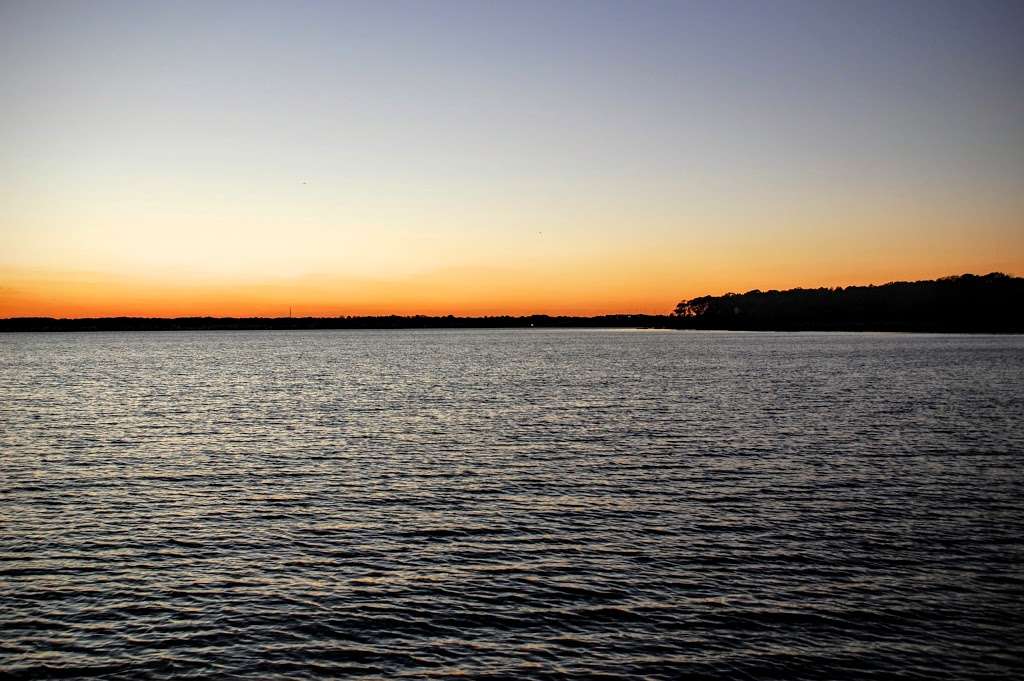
x=37, y=324
x=968, y=303
x=666, y=322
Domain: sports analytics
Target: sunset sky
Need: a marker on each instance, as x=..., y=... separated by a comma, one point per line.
x=238, y=158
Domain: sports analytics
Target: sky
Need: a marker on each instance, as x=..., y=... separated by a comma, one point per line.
x=241, y=158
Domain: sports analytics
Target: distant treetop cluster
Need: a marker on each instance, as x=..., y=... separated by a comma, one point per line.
x=993, y=302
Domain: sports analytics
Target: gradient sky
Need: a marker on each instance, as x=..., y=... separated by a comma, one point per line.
x=476, y=157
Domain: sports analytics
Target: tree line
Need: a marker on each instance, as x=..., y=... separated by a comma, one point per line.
x=966, y=303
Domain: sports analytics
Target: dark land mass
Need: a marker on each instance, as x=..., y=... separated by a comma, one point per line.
x=993, y=303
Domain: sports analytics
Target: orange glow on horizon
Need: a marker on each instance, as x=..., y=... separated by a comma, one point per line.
x=461, y=292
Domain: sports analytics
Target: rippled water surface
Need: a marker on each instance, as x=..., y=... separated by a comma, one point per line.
x=522, y=504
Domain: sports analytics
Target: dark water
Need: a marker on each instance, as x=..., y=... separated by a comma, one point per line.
x=521, y=504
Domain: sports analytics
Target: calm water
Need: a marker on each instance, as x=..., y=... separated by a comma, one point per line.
x=520, y=504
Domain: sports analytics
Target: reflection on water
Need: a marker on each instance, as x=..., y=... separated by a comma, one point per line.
x=511, y=503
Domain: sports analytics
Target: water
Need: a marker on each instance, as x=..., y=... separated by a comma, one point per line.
x=521, y=504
